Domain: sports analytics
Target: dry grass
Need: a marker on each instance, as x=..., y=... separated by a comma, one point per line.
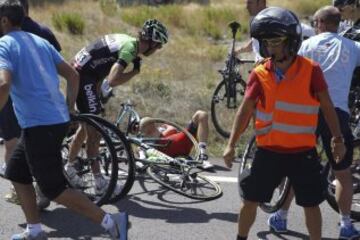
x=180, y=78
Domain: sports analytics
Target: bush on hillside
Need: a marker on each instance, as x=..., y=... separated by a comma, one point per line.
x=160, y=2
x=72, y=22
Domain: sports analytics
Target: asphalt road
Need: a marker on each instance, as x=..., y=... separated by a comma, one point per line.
x=163, y=215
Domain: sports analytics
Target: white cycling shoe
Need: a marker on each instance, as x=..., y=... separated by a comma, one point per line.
x=73, y=178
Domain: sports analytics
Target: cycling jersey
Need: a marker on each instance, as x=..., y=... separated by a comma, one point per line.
x=98, y=58
x=180, y=144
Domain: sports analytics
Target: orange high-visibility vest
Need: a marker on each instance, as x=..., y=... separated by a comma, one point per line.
x=287, y=115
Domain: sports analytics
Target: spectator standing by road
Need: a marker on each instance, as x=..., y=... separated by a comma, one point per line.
x=28, y=71
x=285, y=92
x=8, y=121
x=338, y=57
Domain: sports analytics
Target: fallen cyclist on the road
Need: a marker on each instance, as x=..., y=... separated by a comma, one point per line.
x=180, y=144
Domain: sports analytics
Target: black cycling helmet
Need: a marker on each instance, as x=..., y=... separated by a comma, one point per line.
x=276, y=22
x=155, y=31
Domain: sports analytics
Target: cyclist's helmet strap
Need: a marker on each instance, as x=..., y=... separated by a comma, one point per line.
x=276, y=22
x=155, y=31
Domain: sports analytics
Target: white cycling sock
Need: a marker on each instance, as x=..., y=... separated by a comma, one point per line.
x=345, y=220
x=202, y=147
x=33, y=229
x=107, y=222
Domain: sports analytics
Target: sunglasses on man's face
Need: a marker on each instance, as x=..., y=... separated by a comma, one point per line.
x=273, y=42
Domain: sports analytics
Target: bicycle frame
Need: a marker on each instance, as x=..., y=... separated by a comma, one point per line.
x=230, y=75
x=127, y=108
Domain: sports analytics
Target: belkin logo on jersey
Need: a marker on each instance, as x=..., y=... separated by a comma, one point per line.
x=90, y=95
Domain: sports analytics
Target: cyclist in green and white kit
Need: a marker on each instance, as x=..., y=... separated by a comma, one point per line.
x=108, y=57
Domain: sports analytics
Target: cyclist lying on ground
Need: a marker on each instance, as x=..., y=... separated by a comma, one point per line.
x=180, y=145
x=107, y=57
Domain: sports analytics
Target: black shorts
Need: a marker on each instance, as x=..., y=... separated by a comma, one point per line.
x=88, y=100
x=325, y=134
x=269, y=169
x=38, y=155
x=8, y=122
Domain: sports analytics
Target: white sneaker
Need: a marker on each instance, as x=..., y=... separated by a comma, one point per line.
x=73, y=178
x=101, y=185
x=206, y=165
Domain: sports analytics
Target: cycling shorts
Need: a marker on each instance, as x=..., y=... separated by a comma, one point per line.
x=88, y=100
x=269, y=168
x=325, y=135
x=180, y=144
x=38, y=155
x=8, y=122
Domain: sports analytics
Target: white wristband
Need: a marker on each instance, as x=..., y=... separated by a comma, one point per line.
x=105, y=88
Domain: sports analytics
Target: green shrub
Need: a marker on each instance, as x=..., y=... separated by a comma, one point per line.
x=152, y=88
x=72, y=22
x=109, y=7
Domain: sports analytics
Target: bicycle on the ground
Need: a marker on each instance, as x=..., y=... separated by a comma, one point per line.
x=228, y=93
x=108, y=158
x=179, y=174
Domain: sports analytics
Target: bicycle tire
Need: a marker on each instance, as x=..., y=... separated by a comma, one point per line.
x=108, y=164
x=194, y=186
x=280, y=193
x=125, y=156
x=221, y=116
x=154, y=170
x=330, y=193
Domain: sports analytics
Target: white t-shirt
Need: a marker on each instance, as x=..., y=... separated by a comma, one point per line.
x=338, y=57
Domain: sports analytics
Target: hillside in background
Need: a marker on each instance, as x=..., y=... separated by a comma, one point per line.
x=181, y=77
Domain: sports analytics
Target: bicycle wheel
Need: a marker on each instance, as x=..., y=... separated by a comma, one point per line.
x=179, y=180
x=126, y=162
x=355, y=171
x=106, y=158
x=280, y=193
x=222, y=116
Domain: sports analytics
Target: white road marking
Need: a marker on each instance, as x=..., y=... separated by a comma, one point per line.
x=223, y=179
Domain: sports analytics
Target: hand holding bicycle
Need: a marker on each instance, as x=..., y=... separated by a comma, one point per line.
x=338, y=148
